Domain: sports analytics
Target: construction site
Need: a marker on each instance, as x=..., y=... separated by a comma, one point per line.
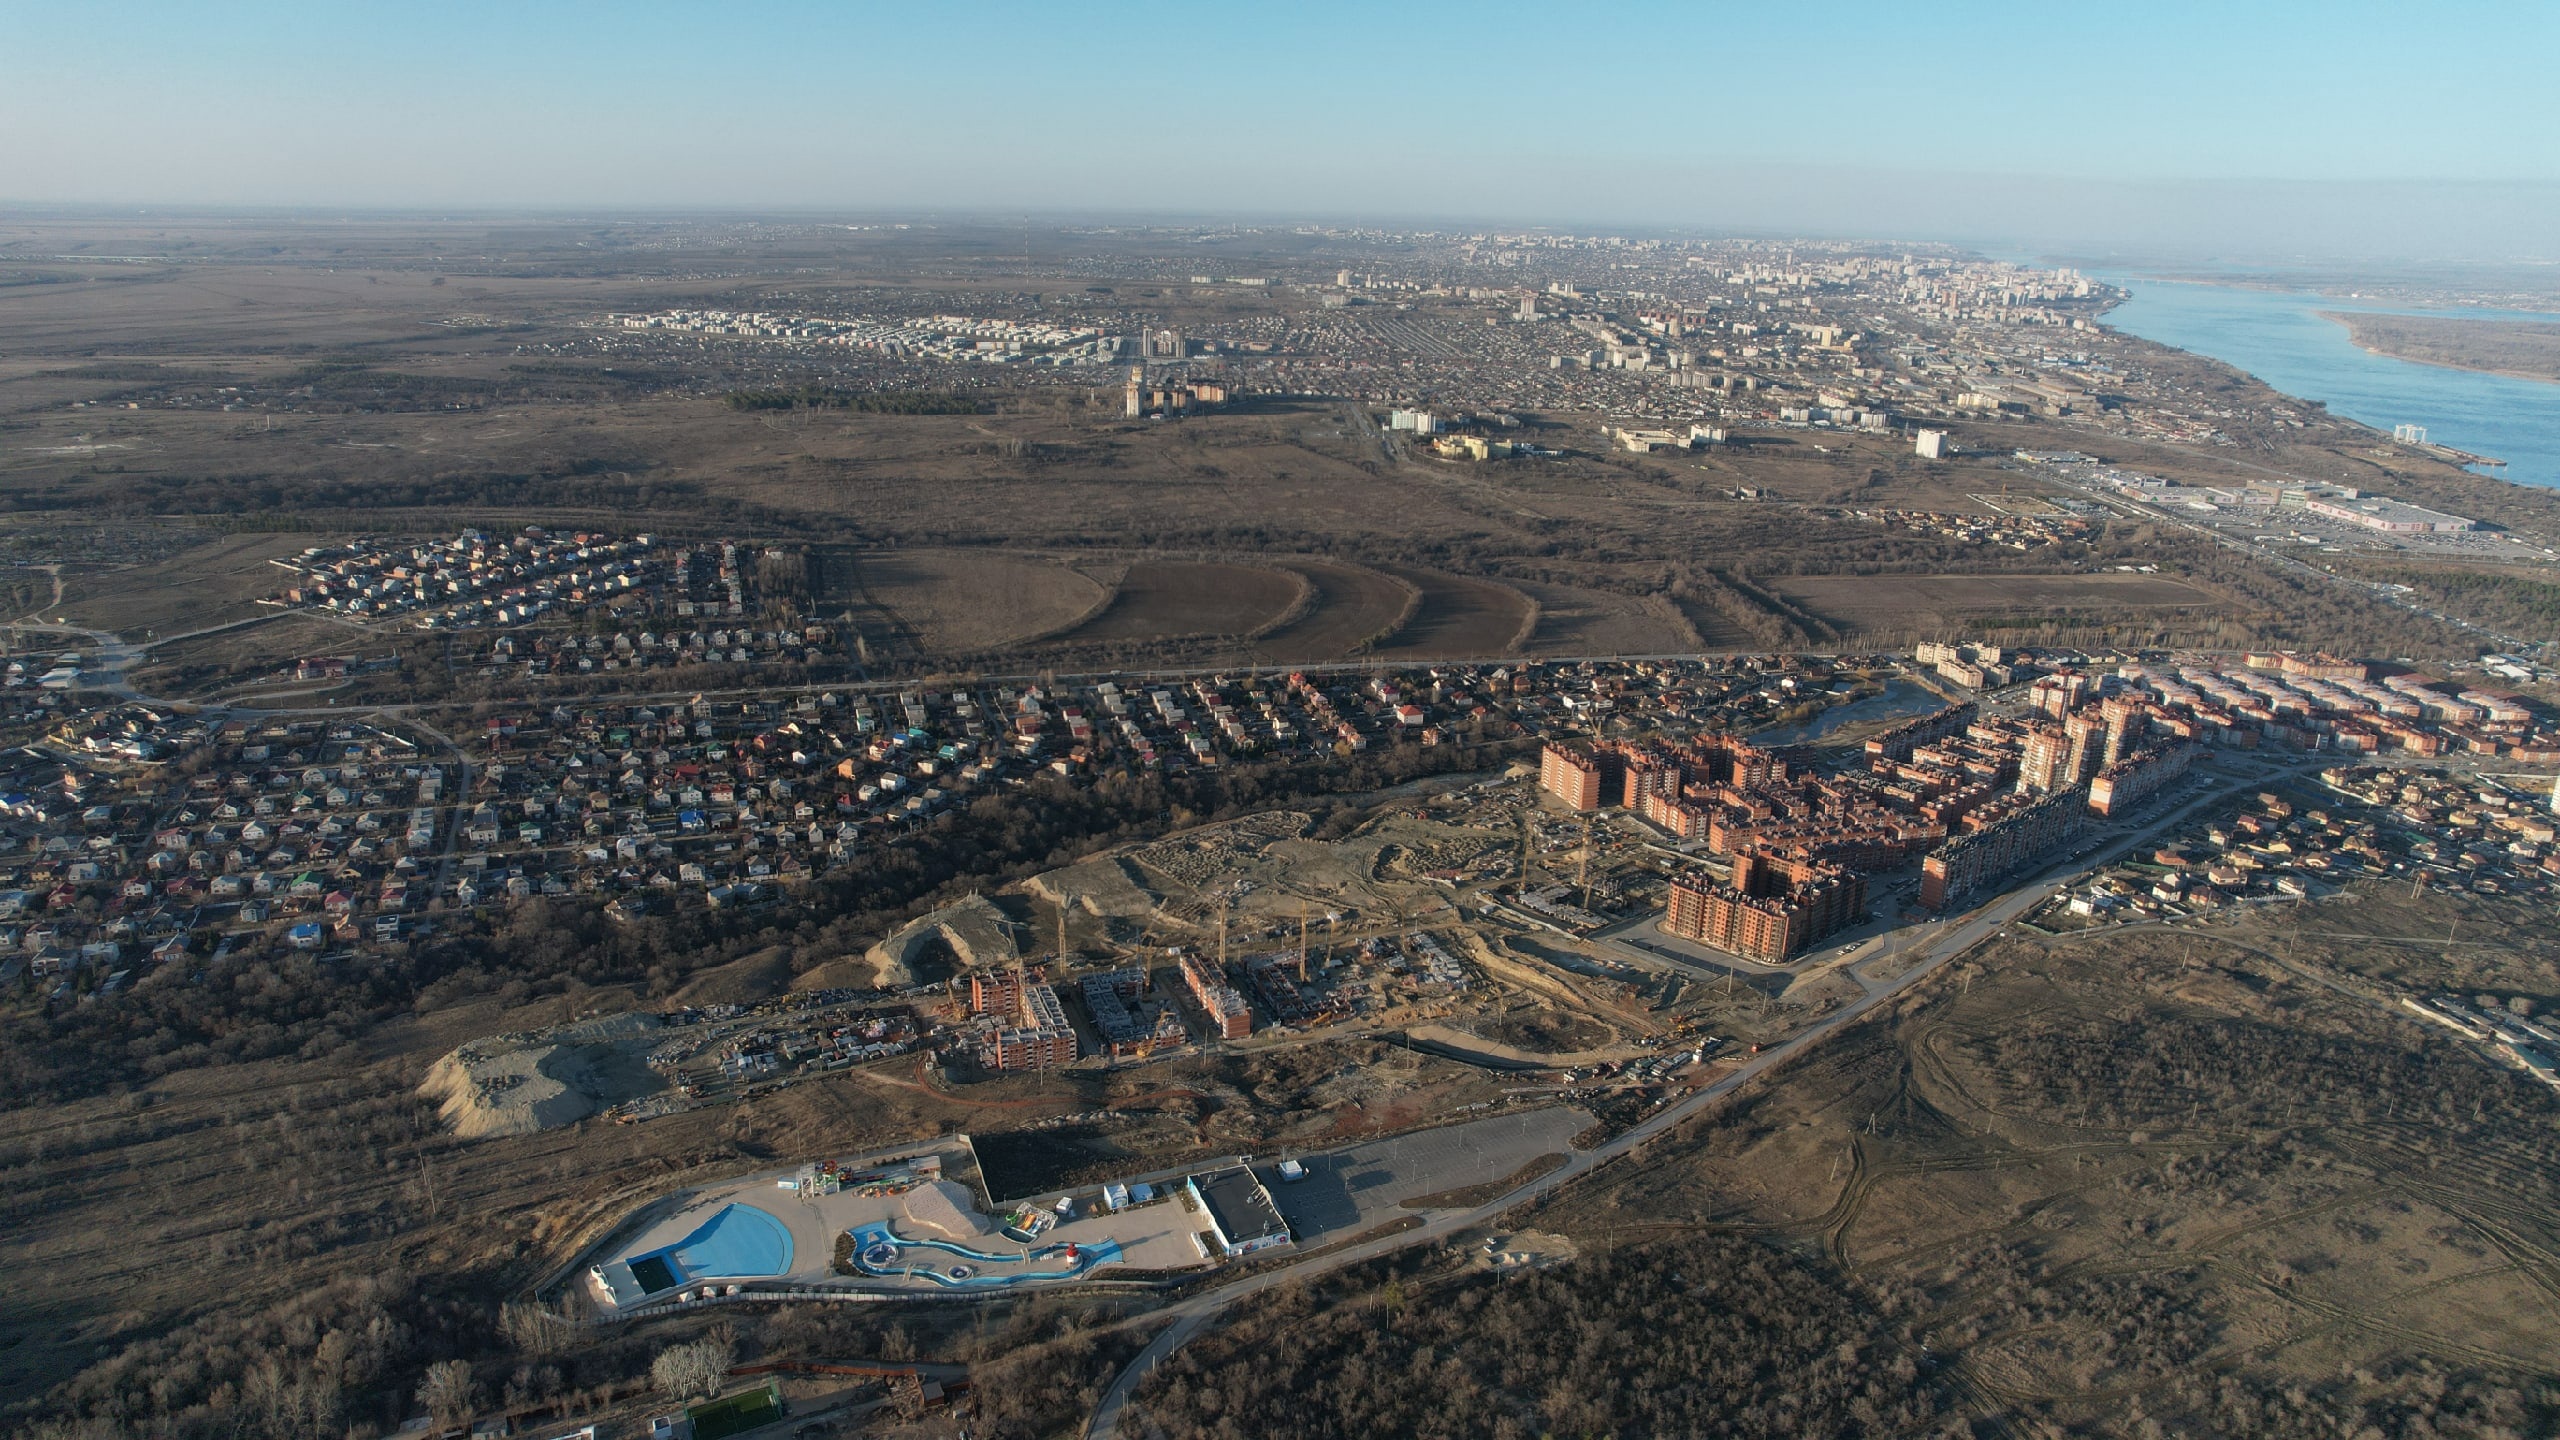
x=1469, y=907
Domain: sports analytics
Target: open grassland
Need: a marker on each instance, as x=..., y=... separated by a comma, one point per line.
x=214, y=583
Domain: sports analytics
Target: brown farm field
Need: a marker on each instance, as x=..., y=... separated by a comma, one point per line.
x=1459, y=616
x=1160, y=600
x=1351, y=603
x=954, y=602
x=1573, y=620
x=1869, y=602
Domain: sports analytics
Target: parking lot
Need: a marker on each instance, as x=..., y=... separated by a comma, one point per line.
x=1349, y=1190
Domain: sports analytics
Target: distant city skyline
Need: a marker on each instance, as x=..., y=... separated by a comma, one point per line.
x=2318, y=131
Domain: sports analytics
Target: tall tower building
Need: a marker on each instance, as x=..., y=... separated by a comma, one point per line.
x=2123, y=716
x=2087, y=733
x=1137, y=398
x=2045, y=760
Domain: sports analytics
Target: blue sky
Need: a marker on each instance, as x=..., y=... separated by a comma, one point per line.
x=1850, y=115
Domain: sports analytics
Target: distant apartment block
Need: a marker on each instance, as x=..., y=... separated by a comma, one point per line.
x=1898, y=742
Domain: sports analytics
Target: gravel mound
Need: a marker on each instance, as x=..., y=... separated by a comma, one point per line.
x=529, y=1080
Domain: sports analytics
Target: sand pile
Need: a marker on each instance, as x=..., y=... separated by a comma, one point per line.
x=529, y=1080
x=977, y=932
x=944, y=1208
x=1105, y=885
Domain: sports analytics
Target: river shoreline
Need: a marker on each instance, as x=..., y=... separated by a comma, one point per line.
x=2346, y=319
x=2288, y=343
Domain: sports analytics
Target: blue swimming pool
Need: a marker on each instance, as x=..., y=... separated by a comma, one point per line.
x=879, y=1250
x=740, y=1242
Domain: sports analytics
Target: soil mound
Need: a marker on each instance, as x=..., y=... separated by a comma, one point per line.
x=529, y=1080
x=977, y=932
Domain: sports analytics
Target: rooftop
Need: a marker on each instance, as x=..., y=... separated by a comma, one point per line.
x=1239, y=1206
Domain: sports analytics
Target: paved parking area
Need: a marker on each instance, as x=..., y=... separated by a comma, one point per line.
x=1353, y=1188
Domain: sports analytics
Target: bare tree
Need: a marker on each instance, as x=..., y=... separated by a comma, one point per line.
x=536, y=1330
x=694, y=1371
x=447, y=1392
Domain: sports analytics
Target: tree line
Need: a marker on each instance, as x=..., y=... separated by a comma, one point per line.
x=863, y=402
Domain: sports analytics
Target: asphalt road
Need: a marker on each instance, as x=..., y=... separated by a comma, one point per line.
x=1941, y=941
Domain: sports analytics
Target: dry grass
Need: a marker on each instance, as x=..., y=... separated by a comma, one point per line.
x=214, y=583
x=1862, y=602
x=1577, y=621
x=1351, y=603
x=2326, y=1237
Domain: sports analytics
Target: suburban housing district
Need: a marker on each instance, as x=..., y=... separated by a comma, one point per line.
x=635, y=828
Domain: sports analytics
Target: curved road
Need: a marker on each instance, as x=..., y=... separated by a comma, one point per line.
x=1942, y=941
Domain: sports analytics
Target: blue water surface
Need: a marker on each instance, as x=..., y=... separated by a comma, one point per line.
x=2279, y=337
x=738, y=1243
x=868, y=1236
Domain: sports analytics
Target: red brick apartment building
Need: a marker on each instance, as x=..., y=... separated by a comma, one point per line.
x=1639, y=775
x=1583, y=782
x=1774, y=908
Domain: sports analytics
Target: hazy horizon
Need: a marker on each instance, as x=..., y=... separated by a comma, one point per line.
x=2320, y=133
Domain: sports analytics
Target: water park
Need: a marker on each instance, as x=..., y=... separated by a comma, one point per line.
x=880, y=1252
x=888, y=1222
x=738, y=1242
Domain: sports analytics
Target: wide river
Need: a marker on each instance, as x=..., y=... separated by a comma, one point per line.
x=2281, y=339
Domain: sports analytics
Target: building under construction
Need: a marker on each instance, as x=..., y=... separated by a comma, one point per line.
x=1224, y=1004
x=1032, y=1031
x=1113, y=1000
